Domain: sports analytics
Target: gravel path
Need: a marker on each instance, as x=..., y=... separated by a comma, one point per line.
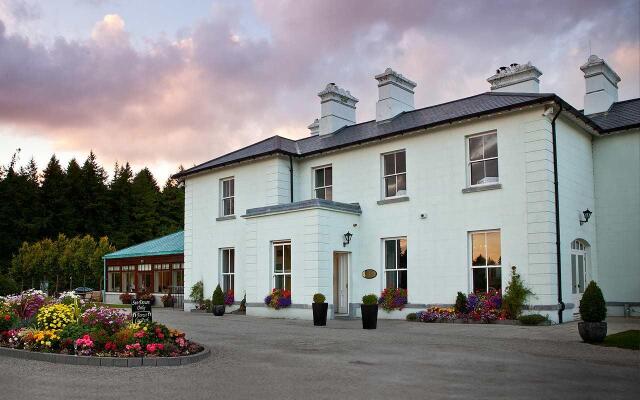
x=255, y=358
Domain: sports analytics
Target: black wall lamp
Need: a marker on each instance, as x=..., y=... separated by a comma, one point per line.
x=587, y=215
x=347, y=238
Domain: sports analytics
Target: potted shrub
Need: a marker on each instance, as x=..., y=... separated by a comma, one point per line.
x=126, y=298
x=167, y=300
x=320, y=308
x=369, y=311
x=593, y=311
x=146, y=296
x=217, y=302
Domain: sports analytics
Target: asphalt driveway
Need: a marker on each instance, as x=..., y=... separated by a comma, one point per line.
x=255, y=358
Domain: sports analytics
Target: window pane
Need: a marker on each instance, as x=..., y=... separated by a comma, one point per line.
x=287, y=258
x=226, y=207
x=287, y=282
x=225, y=261
x=390, y=254
x=278, y=255
x=402, y=182
x=490, y=145
x=392, y=279
x=475, y=148
x=402, y=279
x=401, y=162
x=232, y=187
x=390, y=186
x=493, y=248
x=479, y=279
x=574, y=279
x=319, y=177
x=232, y=206
x=491, y=171
x=279, y=282
x=232, y=261
x=389, y=164
x=320, y=194
x=402, y=253
x=495, y=278
x=227, y=283
x=328, y=193
x=477, y=250
x=477, y=173
x=225, y=188
x=328, y=179
x=581, y=274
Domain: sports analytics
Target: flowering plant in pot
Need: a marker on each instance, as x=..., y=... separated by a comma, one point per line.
x=320, y=308
x=393, y=299
x=279, y=298
x=229, y=298
x=369, y=311
x=167, y=300
x=217, y=302
x=593, y=311
x=146, y=296
x=126, y=298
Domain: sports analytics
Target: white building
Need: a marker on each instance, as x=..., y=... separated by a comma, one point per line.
x=438, y=200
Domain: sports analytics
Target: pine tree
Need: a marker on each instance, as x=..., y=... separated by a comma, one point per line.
x=55, y=204
x=145, y=195
x=73, y=194
x=120, y=206
x=172, y=207
x=94, y=196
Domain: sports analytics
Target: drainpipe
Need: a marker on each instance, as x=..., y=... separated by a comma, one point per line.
x=557, y=209
x=291, y=177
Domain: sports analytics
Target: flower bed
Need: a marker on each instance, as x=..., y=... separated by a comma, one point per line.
x=31, y=321
x=279, y=298
x=477, y=307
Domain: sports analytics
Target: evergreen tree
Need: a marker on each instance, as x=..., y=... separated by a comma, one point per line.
x=55, y=204
x=172, y=208
x=73, y=195
x=120, y=206
x=145, y=195
x=94, y=196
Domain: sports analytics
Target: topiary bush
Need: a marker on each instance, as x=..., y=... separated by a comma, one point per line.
x=218, y=297
x=515, y=296
x=533, y=319
x=319, y=298
x=461, y=303
x=592, y=305
x=369, y=299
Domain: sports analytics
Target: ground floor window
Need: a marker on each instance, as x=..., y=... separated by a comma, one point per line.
x=178, y=278
x=227, y=268
x=159, y=278
x=282, y=265
x=128, y=278
x=162, y=278
x=486, y=261
x=114, y=279
x=145, y=278
x=395, y=263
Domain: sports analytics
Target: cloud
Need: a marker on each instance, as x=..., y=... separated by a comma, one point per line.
x=225, y=82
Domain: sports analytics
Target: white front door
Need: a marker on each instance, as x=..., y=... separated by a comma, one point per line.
x=579, y=279
x=341, y=281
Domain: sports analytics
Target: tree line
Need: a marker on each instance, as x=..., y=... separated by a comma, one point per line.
x=79, y=200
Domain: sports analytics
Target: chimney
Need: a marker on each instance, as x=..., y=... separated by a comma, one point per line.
x=337, y=109
x=601, y=83
x=395, y=94
x=519, y=78
x=314, y=128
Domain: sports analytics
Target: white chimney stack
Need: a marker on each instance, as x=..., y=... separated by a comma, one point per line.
x=395, y=94
x=314, y=128
x=518, y=78
x=601, y=84
x=337, y=109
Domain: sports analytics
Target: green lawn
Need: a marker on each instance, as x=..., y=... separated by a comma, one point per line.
x=626, y=340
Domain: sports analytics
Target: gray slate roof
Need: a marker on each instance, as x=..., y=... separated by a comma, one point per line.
x=469, y=107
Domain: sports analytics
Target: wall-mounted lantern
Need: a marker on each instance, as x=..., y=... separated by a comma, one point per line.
x=347, y=238
x=587, y=215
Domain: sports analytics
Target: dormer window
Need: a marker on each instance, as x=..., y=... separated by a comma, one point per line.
x=323, y=182
x=227, y=198
x=482, y=159
x=394, y=174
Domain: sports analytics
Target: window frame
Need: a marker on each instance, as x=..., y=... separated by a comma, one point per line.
x=395, y=174
x=483, y=160
x=231, y=197
x=231, y=270
x=315, y=186
x=283, y=273
x=395, y=270
x=111, y=271
x=486, y=266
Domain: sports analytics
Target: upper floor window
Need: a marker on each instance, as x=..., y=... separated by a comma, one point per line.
x=282, y=265
x=482, y=159
x=486, y=260
x=323, y=183
x=395, y=263
x=227, y=196
x=228, y=272
x=394, y=174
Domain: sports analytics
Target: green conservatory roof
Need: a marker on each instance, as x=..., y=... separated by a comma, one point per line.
x=170, y=244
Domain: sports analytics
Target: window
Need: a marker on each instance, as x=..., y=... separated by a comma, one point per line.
x=483, y=159
x=114, y=279
x=128, y=278
x=228, y=196
x=228, y=269
x=282, y=265
x=162, y=278
x=578, y=266
x=145, y=278
x=486, y=261
x=395, y=263
x=322, y=183
x=394, y=180
x=178, y=277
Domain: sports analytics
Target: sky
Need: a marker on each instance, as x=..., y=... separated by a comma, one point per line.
x=168, y=83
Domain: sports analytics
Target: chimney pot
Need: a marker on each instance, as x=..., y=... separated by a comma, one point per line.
x=516, y=78
x=395, y=94
x=337, y=109
x=601, y=83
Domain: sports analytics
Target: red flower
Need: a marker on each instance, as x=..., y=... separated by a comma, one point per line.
x=7, y=317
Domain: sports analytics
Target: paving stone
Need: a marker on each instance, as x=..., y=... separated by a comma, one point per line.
x=134, y=362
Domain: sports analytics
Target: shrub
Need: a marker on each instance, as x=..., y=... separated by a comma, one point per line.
x=484, y=307
x=319, y=298
x=412, y=317
x=515, y=296
x=206, y=305
x=111, y=319
x=218, y=298
x=55, y=317
x=369, y=299
x=592, y=305
x=532, y=319
x=8, y=318
x=461, y=303
x=146, y=296
x=279, y=298
x=69, y=298
x=126, y=298
x=8, y=285
x=27, y=303
x=197, y=292
x=167, y=300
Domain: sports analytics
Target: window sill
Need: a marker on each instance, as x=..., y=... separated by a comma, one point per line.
x=482, y=188
x=392, y=200
x=226, y=218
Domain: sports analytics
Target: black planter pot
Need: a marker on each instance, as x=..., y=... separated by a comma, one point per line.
x=592, y=332
x=369, y=316
x=320, y=313
x=218, y=311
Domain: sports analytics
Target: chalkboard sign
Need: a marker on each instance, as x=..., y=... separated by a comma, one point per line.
x=369, y=273
x=141, y=311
